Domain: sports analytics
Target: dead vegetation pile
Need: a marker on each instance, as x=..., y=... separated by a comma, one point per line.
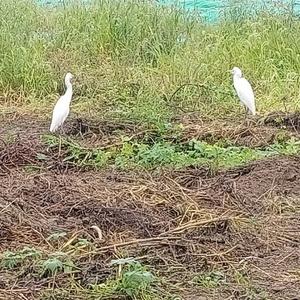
x=243, y=222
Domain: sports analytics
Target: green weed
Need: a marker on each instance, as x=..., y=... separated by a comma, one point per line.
x=10, y=259
x=58, y=262
x=133, y=280
x=56, y=236
x=42, y=264
x=255, y=293
x=210, y=280
x=32, y=168
x=133, y=154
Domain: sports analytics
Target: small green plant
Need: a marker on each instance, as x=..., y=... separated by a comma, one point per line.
x=134, y=278
x=290, y=147
x=41, y=156
x=32, y=169
x=52, y=266
x=255, y=293
x=82, y=243
x=56, y=236
x=58, y=262
x=210, y=280
x=241, y=278
x=11, y=259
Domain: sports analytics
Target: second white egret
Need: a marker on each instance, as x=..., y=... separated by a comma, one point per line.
x=62, y=107
x=243, y=90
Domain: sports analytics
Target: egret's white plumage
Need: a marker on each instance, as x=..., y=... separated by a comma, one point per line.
x=62, y=107
x=243, y=90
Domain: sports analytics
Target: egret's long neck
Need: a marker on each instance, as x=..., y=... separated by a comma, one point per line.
x=69, y=90
x=236, y=77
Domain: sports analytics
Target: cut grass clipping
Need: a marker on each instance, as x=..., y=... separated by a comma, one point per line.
x=167, y=154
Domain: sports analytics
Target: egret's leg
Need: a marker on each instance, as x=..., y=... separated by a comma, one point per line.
x=246, y=112
x=59, y=145
x=61, y=132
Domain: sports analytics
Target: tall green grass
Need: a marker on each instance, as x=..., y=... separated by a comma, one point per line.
x=129, y=57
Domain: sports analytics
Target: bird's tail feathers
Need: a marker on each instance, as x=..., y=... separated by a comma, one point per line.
x=252, y=110
x=53, y=128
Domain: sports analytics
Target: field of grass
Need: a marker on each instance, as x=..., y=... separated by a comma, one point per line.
x=159, y=189
x=129, y=59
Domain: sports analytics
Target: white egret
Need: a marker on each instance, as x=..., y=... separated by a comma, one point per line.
x=62, y=107
x=243, y=90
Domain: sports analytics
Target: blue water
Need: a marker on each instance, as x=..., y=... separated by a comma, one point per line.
x=210, y=10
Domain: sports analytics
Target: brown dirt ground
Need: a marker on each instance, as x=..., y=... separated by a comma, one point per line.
x=243, y=222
